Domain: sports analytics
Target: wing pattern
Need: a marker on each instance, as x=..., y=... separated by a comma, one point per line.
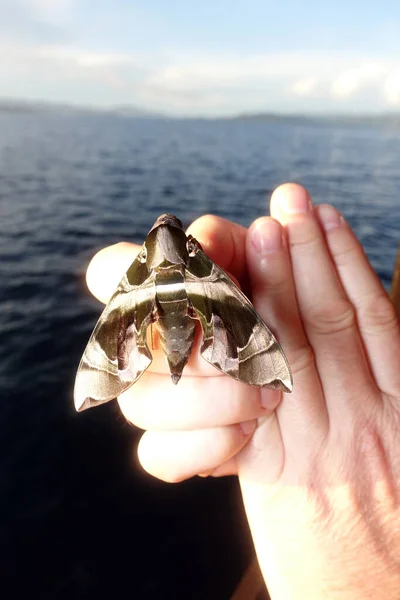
x=117, y=352
x=235, y=338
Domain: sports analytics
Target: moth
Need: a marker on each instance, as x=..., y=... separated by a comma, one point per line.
x=172, y=284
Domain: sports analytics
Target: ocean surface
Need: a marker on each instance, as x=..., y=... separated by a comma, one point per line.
x=79, y=518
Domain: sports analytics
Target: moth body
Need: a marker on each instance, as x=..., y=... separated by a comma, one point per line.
x=175, y=326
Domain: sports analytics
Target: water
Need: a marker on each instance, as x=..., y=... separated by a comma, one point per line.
x=79, y=519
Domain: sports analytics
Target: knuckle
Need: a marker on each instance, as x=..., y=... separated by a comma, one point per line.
x=279, y=283
x=377, y=314
x=273, y=281
x=332, y=317
x=306, y=236
x=346, y=253
x=301, y=359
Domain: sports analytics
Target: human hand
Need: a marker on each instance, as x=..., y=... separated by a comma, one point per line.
x=320, y=474
x=321, y=480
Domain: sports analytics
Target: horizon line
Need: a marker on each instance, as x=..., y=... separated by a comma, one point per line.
x=7, y=103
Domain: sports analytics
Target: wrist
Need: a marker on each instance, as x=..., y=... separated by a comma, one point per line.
x=316, y=554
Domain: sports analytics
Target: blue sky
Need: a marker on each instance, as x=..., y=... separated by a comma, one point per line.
x=204, y=57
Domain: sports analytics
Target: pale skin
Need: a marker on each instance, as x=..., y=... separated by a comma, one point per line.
x=319, y=468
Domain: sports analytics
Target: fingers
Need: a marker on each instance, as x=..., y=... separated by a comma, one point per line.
x=327, y=314
x=376, y=316
x=153, y=402
x=302, y=414
x=223, y=241
x=177, y=455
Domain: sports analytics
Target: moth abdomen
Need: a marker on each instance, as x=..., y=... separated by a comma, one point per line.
x=175, y=327
x=176, y=336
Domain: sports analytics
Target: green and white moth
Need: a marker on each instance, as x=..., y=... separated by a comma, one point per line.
x=171, y=284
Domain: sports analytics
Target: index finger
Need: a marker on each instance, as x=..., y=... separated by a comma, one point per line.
x=224, y=242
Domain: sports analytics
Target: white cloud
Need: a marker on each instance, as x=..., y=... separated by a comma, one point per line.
x=230, y=71
x=392, y=88
x=190, y=84
x=346, y=83
x=85, y=59
x=349, y=81
x=304, y=87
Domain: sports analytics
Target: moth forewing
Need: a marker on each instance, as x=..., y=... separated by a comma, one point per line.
x=171, y=282
x=235, y=338
x=117, y=352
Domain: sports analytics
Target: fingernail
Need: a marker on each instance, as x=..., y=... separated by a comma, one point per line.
x=266, y=237
x=295, y=204
x=329, y=217
x=248, y=426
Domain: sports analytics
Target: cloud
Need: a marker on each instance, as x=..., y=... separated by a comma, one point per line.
x=84, y=59
x=305, y=87
x=351, y=80
x=346, y=83
x=181, y=83
x=392, y=88
x=225, y=72
x=286, y=81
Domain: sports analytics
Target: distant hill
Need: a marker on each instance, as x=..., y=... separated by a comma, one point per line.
x=386, y=120
x=390, y=120
x=11, y=105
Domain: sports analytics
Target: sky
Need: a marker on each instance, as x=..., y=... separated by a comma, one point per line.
x=204, y=58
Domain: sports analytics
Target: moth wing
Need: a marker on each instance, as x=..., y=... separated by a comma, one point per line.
x=235, y=338
x=117, y=353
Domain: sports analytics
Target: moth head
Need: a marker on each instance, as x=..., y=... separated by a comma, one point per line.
x=165, y=244
x=167, y=219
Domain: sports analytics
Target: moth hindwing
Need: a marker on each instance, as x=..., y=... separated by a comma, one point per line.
x=172, y=283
